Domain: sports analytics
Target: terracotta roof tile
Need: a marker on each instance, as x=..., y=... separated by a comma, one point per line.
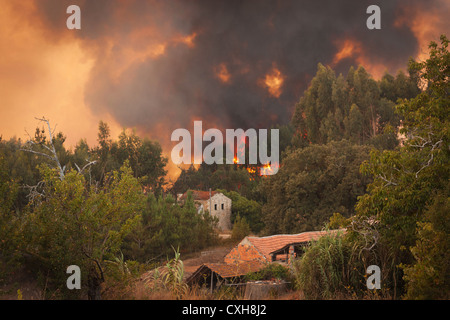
x=198, y=195
x=233, y=270
x=269, y=244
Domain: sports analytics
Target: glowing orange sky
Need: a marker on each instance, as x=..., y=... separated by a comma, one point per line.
x=41, y=76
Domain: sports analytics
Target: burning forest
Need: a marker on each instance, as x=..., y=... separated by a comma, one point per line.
x=131, y=128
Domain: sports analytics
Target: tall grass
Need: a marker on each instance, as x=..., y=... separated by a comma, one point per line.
x=328, y=269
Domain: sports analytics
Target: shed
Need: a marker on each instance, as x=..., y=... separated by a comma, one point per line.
x=214, y=274
x=273, y=248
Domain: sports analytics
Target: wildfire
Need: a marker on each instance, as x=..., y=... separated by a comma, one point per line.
x=347, y=49
x=268, y=169
x=273, y=82
x=424, y=25
x=351, y=48
x=251, y=170
x=187, y=40
x=235, y=160
x=222, y=73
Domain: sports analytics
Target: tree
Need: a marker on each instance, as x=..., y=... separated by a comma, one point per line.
x=315, y=104
x=354, y=125
x=47, y=150
x=428, y=277
x=165, y=225
x=79, y=224
x=407, y=180
x=8, y=218
x=218, y=176
x=250, y=210
x=312, y=184
x=240, y=230
x=144, y=156
x=354, y=107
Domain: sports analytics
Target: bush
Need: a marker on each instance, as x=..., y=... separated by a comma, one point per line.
x=324, y=270
x=272, y=271
x=241, y=229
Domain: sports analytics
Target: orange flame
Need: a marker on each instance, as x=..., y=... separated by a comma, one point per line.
x=222, y=73
x=269, y=169
x=273, y=82
x=348, y=48
x=251, y=170
x=187, y=40
x=351, y=48
x=425, y=24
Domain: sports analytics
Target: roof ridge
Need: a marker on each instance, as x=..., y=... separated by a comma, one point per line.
x=294, y=234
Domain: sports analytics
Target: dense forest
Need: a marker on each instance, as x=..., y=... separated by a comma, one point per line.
x=371, y=156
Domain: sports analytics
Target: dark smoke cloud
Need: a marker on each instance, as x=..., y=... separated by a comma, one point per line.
x=249, y=37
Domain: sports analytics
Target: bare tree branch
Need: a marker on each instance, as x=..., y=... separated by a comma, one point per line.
x=389, y=182
x=367, y=228
x=90, y=163
x=35, y=193
x=51, y=149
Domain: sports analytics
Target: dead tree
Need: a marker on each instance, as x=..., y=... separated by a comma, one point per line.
x=50, y=151
x=50, y=148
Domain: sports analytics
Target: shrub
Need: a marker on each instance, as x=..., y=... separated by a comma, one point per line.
x=241, y=229
x=272, y=271
x=324, y=270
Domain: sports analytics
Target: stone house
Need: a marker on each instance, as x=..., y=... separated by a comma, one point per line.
x=216, y=203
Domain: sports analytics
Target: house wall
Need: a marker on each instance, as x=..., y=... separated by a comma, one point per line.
x=220, y=208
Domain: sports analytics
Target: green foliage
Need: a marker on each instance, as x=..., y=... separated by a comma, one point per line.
x=172, y=276
x=249, y=209
x=406, y=181
x=241, y=229
x=144, y=156
x=8, y=190
x=329, y=267
x=338, y=221
x=429, y=276
x=167, y=224
x=228, y=177
x=355, y=107
x=311, y=184
x=74, y=223
x=8, y=220
x=271, y=272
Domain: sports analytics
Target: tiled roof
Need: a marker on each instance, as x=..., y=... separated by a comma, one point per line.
x=198, y=195
x=225, y=270
x=234, y=270
x=269, y=244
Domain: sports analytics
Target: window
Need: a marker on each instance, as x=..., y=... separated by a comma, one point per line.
x=215, y=207
x=222, y=206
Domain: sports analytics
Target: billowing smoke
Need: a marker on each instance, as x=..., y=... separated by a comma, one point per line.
x=233, y=64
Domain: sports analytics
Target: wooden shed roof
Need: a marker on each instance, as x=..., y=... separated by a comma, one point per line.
x=225, y=270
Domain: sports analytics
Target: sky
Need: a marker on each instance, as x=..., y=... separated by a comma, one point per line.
x=156, y=66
